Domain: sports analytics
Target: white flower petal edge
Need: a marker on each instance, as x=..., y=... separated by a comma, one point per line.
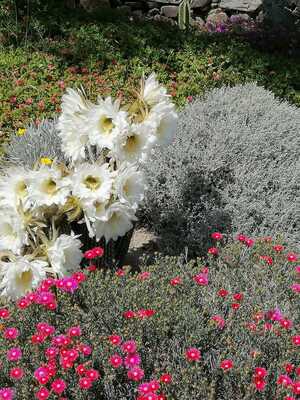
x=117, y=221
x=129, y=185
x=13, y=235
x=13, y=188
x=21, y=276
x=64, y=254
x=165, y=119
x=153, y=92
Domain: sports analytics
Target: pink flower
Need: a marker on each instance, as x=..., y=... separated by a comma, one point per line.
x=86, y=349
x=51, y=352
x=192, y=354
x=289, y=368
x=219, y=320
x=144, y=388
x=89, y=255
x=58, y=386
x=260, y=372
x=14, y=354
x=45, y=329
x=7, y=393
x=80, y=369
x=145, y=313
x=11, y=333
x=241, y=238
x=176, y=281
x=129, y=314
x=286, y=323
x=42, y=375
x=79, y=276
x=217, y=235
x=284, y=380
x=226, y=365
x=201, y=279
x=238, y=296
x=120, y=272
x=213, y=250
x=296, y=340
x=166, y=378
x=116, y=361
x=278, y=248
x=115, y=340
x=189, y=99
x=296, y=287
x=222, y=293
x=292, y=257
x=45, y=297
x=249, y=242
x=150, y=396
x=41, y=105
x=4, y=313
x=85, y=383
x=296, y=387
x=154, y=385
x=16, y=373
x=70, y=285
x=74, y=331
x=131, y=360
x=144, y=275
x=259, y=384
x=235, y=306
x=61, y=340
x=129, y=347
x=135, y=374
x=276, y=315
x=93, y=374
x=23, y=303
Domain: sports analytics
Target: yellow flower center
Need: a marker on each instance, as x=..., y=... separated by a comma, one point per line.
x=92, y=182
x=106, y=124
x=46, y=161
x=21, y=131
x=21, y=189
x=132, y=143
x=50, y=186
x=24, y=280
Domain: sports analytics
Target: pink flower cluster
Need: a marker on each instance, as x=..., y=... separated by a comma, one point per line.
x=142, y=313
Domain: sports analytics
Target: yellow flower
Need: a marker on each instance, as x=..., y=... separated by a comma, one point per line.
x=21, y=131
x=46, y=161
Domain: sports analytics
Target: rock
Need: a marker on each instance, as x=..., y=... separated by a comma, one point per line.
x=162, y=18
x=241, y=5
x=217, y=17
x=169, y=11
x=199, y=3
x=91, y=5
x=198, y=23
x=153, y=12
x=239, y=18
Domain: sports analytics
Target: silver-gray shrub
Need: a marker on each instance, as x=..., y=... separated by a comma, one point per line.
x=38, y=141
x=233, y=166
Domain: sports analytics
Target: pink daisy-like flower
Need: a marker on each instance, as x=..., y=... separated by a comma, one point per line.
x=14, y=354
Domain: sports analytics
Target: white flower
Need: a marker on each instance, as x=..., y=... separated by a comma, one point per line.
x=92, y=182
x=47, y=187
x=65, y=255
x=72, y=122
x=105, y=122
x=129, y=184
x=13, y=236
x=165, y=118
x=133, y=145
x=153, y=92
x=117, y=221
x=21, y=276
x=13, y=188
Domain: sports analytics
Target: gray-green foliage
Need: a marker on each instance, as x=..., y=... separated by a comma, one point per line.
x=233, y=166
x=38, y=141
x=283, y=14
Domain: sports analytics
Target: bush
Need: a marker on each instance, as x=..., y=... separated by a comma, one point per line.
x=283, y=14
x=165, y=317
x=233, y=166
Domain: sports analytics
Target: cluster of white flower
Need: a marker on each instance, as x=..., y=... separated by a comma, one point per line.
x=101, y=186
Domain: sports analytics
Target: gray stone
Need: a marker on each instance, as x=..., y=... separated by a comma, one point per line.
x=217, y=17
x=162, y=18
x=241, y=5
x=200, y=3
x=169, y=11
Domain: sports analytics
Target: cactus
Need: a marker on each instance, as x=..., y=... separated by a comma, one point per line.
x=184, y=14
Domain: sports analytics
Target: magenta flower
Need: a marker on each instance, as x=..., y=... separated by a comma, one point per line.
x=14, y=354
x=132, y=360
x=11, y=333
x=129, y=347
x=135, y=374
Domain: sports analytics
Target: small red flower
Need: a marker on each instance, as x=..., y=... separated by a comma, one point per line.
x=176, y=281
x=129, y=314
x=260, y=372
x=217, y=235
x=193, y=354
x=296, y=340
x=166, y=378
x=278, y=248
x=292, y=257
x=115, y=340
x=289, y=368
x=85, y=383
x=42, y=394
x=238, y=296
x=16, y=373
x=213, y=250
x=226, y=365
x=223, y=293
x=58, y=386
x=235, y=306
x=296, y=387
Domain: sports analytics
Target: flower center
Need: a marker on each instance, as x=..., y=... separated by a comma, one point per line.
x=92, y=182
x=21, y=189
x=132, y=143
x=24, y=279
x=50, y=186
x=106, y=124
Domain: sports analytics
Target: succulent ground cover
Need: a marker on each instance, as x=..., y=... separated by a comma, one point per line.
x=108, y=56
x=226, y=326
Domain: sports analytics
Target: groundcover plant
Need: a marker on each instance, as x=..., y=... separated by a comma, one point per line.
x=226, y=327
